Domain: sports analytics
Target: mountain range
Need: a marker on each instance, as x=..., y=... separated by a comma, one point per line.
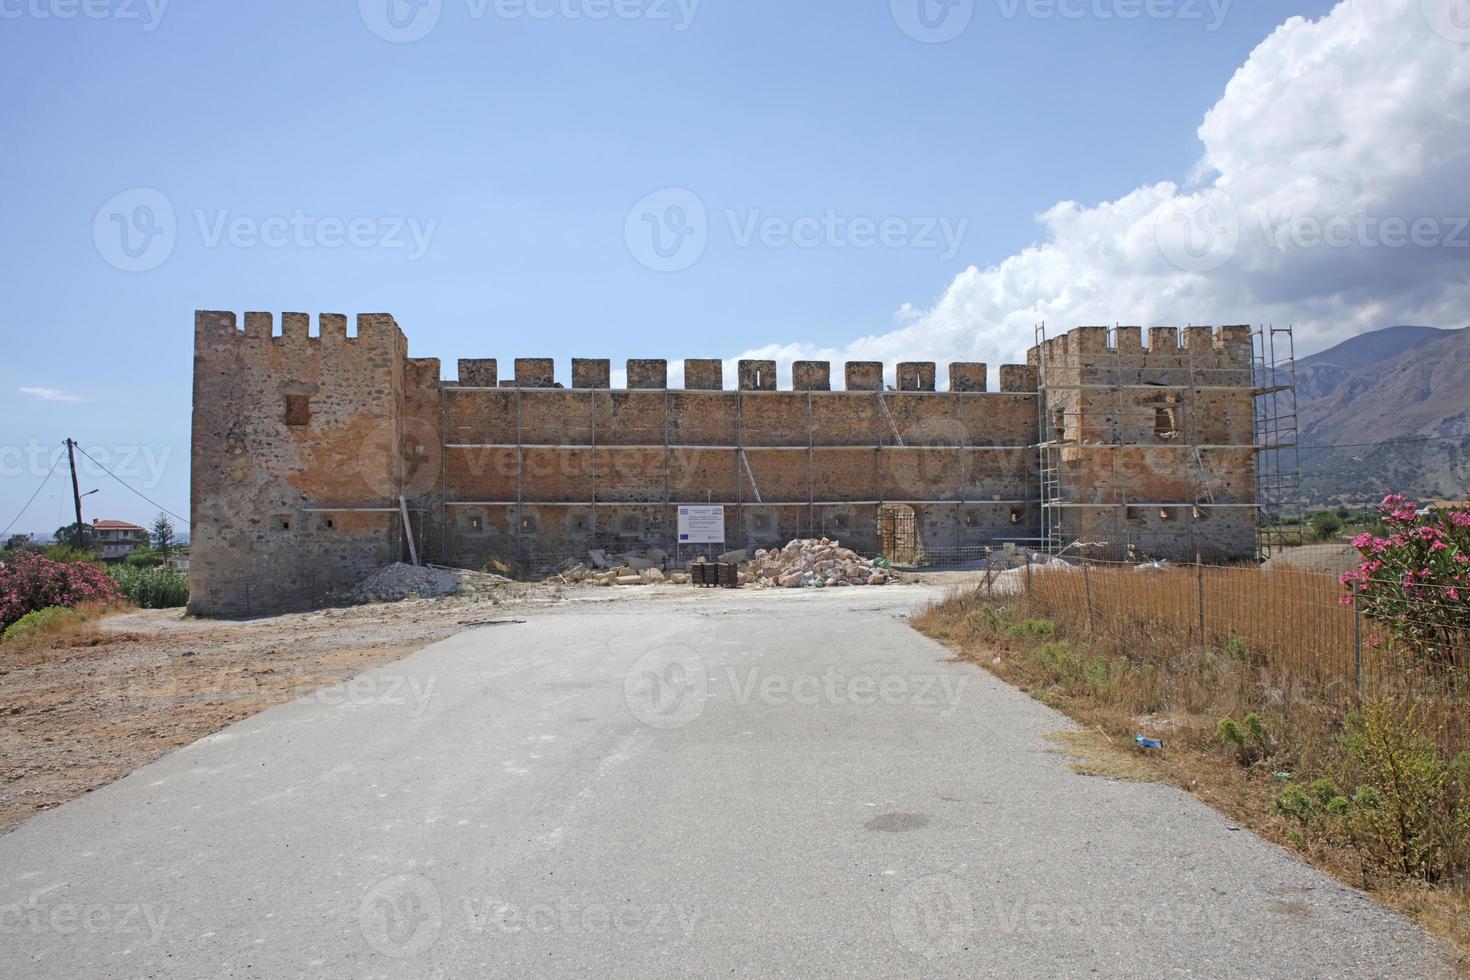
x=1385, y=412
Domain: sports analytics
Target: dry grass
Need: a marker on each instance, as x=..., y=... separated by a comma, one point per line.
x=1122, y=652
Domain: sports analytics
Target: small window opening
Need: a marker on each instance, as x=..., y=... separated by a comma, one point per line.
x=329, y=524
x=761, y=522
x=477, y=523
x=1166, y=422
x=298, y=409
x=285, y=525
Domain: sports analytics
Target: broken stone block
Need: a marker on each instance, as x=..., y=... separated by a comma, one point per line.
x=628, y=580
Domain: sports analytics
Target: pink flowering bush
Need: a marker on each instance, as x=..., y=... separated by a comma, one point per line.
x=29, y=581
x=1416, y=580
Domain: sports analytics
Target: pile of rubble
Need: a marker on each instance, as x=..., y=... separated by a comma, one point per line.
x=403, y=581
x=620, y=575
x=815, y=562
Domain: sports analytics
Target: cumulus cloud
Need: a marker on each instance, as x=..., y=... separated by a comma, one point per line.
x=1332, y=194
x=50, y=394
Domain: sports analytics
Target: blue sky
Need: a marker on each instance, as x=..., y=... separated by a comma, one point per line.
x=516, y=147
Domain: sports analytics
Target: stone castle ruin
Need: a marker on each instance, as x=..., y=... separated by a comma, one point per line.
x=318, y=459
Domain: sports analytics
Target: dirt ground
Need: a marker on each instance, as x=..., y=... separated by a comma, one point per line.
x=136, y=685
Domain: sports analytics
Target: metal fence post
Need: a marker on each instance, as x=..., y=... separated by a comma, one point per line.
x=1357, y=642
x=1200, y=571
x=1028, y=576
x=1087, y=588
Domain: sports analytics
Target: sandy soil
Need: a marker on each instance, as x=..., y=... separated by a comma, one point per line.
x=140, y=684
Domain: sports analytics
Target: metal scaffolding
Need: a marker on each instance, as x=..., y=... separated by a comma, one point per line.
x=1094, y=413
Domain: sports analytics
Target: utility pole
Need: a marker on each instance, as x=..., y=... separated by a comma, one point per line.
x=76, y=493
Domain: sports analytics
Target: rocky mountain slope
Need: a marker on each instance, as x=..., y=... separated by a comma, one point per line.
x=1403, y=383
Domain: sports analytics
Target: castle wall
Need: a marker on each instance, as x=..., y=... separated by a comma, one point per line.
x=304, y=445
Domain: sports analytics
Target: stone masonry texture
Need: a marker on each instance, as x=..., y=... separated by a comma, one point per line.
x=1154, y=450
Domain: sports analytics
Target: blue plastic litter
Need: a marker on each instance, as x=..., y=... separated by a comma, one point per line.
x=1144, y=742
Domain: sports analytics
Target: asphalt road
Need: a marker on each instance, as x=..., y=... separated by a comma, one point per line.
x=735, y=784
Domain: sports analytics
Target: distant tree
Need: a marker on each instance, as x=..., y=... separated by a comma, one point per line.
x=143, y=557
x=67, y=535
x=162, y=534
x=18, y=542
x=1326, y=525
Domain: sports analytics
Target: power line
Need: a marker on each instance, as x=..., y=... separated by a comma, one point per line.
x=130, y=487
x=28, y=503
x=1406, y=441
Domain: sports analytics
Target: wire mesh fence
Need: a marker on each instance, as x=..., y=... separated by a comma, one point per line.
x=1298, y=629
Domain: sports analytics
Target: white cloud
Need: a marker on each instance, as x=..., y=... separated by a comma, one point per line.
x=1333, y=194
x=50, y=394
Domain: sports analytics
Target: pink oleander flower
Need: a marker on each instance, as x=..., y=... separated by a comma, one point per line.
x=1460, y=518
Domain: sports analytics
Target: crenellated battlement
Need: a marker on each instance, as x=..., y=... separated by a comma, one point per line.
x=708, y=374
x=214, y=327
x=1226, y=347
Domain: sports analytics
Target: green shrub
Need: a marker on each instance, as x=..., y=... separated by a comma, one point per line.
x=1249, y=739
x=1409, y=813
x=33, y=626
x=144, y=557
x=986, y=619
x=1038, y=629
x=152, y=588
x=1311, y=804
